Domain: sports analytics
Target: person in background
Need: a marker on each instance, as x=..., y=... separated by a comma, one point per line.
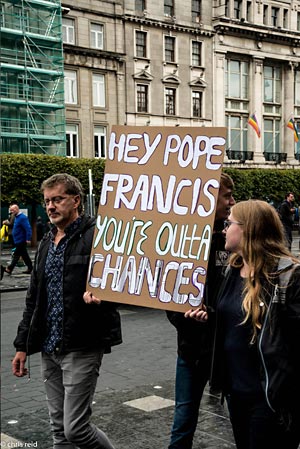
x=194, y=339
x=21, y=234
x=256, y=359
x=39, y=228
x=9, y=222
x=286, y=213
x=70, y=331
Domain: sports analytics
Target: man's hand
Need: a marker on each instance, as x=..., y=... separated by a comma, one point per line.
x=18, y=364
x=89, y=298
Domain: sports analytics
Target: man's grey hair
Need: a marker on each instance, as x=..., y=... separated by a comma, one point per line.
x=72, y=186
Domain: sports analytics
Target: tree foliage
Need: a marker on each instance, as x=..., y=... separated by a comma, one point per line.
x=22, y=175
x=265, y=184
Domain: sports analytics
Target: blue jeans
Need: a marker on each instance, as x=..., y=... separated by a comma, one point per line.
x=191, y=378
x=70, y=382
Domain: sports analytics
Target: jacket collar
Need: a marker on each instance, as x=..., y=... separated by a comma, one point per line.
x=284, y=263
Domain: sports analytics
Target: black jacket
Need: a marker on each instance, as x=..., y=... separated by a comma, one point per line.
x=277, y=343
x=286, y=215
x=85, y=326
x=195, y=339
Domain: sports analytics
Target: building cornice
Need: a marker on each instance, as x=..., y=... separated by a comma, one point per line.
x=72, y=7
x=170, y=24
x=258, y=32
x=84, y=51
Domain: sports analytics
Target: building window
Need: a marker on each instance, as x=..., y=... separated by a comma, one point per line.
x=226, y=8
x=297, y=90
x=21, y=84
x=274, y=16
x=97, y=36
x=98, y=90
x=285, y=18
x=265, y=16
x=237, y=133
x=70, y=87
x=237, y=9
x=298, y=21
x=169, y=8
x=100, y=142
x=196, y=11
x=271, y=135
x=2, y=15
x=140, y=5
x=272, y=84
x=4, y=88
x=72, y=140
x=169, y=49
x=142, y=98
x=26, y=89
x=196, y=53
x=68, y=31
x=141, y=44
x=298, y=143
x=17, y=17
x=236, y=79
x=170, y=96
x=197, y=103
x=249, y=11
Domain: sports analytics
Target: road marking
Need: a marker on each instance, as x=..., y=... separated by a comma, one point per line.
x=7, y=441
x=150, y=403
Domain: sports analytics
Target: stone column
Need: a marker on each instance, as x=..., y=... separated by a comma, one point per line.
x=288, y=142
x=256, y=106
x=219, y=88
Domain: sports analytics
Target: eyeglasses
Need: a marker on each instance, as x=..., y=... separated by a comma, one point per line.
x=228, y=223
x=55, y=200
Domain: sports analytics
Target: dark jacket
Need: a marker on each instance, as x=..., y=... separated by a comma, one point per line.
x=277, y=343
x=85, y=326
x=21, y=231
x=286, y=215
x=195, y=339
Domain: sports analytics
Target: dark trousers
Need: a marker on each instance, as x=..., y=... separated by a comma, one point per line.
x=256, y=426
x=288, y=236
x=191, y=378
x=20, y=251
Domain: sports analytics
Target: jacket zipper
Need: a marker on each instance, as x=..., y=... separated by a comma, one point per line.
x=274, y=296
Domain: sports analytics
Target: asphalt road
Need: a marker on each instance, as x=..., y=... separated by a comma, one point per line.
x=142, y=368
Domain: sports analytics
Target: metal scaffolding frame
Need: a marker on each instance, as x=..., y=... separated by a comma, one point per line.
x=32, y=72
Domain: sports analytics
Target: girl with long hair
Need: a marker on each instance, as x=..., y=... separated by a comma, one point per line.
x=256, y=362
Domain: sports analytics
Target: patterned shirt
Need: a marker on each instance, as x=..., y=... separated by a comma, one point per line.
x=54, y=269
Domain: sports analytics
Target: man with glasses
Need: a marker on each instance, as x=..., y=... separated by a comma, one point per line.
x=21, y=234
x=72, y=335
x=195, y=339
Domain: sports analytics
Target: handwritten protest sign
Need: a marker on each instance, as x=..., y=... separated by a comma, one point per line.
x=155, y=217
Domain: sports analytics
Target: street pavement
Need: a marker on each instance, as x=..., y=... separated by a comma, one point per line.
x=134, y=399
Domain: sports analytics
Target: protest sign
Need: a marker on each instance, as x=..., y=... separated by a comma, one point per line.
x=155, y=218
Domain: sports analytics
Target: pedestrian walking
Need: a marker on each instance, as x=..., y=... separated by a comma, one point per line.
x=286, y=213
x=256, y=356
x=40, y=228
x=21, y=234
x=195, y=339
x=71, y=334
x=9, y=222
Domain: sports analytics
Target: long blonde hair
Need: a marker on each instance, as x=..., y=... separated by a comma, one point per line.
x=262, y=245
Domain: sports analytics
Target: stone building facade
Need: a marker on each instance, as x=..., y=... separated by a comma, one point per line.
x=185, y=63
